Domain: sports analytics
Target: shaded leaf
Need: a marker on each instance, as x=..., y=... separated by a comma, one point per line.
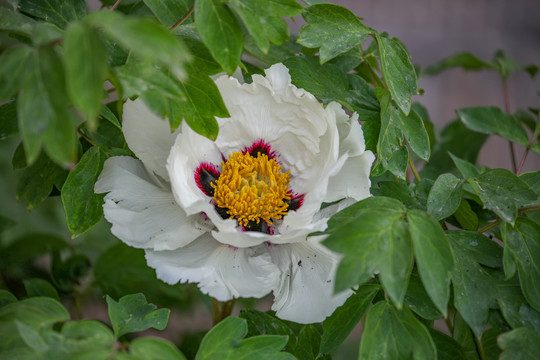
x=332, y=28
x=226, y=341
x=82, y=206
x=220, y=32
x=146, y=348
x=466, y=217
x=57, y=12
x=8, y=119
x=493, y=120
x=447, y=348
x=373, y=236
x=339, y=325
x=393, y=334
x=418, y=299
x=444, y=197
x=169, y=12
x=466, y=61
x=39, y=287
x=520, y=344
x=260, y=323
x=434, y=256
x=14, y=63
x=16, y=22
x=132, y=313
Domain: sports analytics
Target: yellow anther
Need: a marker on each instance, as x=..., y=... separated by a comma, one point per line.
x=252, y=188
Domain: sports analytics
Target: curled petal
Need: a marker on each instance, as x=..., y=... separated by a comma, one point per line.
x=305, y=293
x=148, y=136
x=222, y=271
x=144, y=214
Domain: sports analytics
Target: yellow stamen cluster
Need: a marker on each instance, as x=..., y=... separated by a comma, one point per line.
x=252, y=188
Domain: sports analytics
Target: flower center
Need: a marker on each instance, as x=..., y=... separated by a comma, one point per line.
x=252, y=188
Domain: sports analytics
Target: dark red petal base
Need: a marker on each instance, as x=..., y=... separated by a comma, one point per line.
x=205, y=175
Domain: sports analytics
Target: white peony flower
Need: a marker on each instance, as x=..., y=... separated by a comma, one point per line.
x=234, y=215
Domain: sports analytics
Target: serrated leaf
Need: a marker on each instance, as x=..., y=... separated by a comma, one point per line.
x=226, y=341
x=444, y=197
x=493, y=120
x=14, y=63
x=523, y=243
x=502, y=192
x=57, y=12
x=132, y=313
x=393, y=334
x=434, y=256
x=86, y=68
x=220, y=32
x=339, y=325
x=82, y=206
x=474, y=289
x=44, y=117
x=466, y=61
x=37, y=181
x=373, y=237
x=263, y=19
x=332, y=28
x=39, y=287
x=520, y=344
x=398, y=71
x=416, y=134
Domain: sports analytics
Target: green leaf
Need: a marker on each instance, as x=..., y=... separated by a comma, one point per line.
x=502, y=192
x=474, y=289
x=466, y=217
x=169, y=12
x=14, y=64
x=505, y=65
x=339, y=325
x=220, y=32
x=37, y=181
x=35, y=312
x=144, y=37
x=44, y=116
x=493, y=120
x=434, y=256
x=122, y=270
x=418, y=299
x=202, y=57
x=372, y=235
x=6, y=297
x=39, y=287
x=395, y=334
x=260, y=323
x=16, y=22
x=399, y=190
x=82, y=206
x=523, y=244
x=520, y=344
x=132, y=313
x=447, y=348
x=391, y=154
x=514, y=307
x=464, y=336
x=309, y=342
x=398, y=72
x=86, y=68
x=444, y=197
x=466, y=61
x=489, y=342
x=332, y=28
x=225, y=341
x=263, y=19
x=466, y=169
x=416, y=134
x=8, y=119
x=57, y=12
x=153, y=349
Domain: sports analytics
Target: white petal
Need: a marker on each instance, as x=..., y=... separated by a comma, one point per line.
x=305, y=294
x=148, y=136
x=188, y=152
x=143, y=214
x=222, y=271
x=352, y=180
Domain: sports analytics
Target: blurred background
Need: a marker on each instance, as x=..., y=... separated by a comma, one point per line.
x=435, y=29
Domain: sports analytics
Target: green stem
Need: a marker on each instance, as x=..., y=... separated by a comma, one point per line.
x=413, y=169
x=507, y=109
x=179, y=22
x=480, y=348
x=449, y=325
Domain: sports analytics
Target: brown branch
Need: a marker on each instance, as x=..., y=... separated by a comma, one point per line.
x=115, y=4
x=179, y=22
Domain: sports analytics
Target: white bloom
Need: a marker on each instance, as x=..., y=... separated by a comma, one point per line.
x=234, y=215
